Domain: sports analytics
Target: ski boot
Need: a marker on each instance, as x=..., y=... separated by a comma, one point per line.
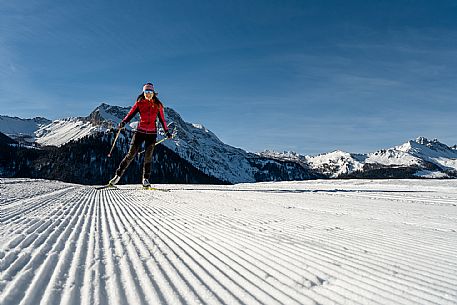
x=114, y=181
x=146, y=183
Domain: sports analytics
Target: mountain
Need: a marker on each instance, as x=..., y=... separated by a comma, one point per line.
x=107, y=115
x=198, y=155
x=21, y=130
x=418, y=158
x=434, y=152
x=336, y=163
x=44, y=132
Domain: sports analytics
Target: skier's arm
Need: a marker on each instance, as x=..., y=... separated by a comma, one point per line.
x=131, y=113
x=164, y=124
x=162, y=120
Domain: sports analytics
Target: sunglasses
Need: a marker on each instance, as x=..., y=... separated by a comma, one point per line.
x=148, y=91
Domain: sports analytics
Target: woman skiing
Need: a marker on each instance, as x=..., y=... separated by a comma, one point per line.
x=149, y=107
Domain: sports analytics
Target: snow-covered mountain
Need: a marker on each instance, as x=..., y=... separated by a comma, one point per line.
x=336, y=163
x=22, y=130
x=437, y=153
x=45, y=132
x=428, y=159
x=62, y=131
x=208, y=154
x=203, y=149
x=195, y=144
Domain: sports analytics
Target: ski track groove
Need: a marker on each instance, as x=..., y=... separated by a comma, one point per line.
x=85, y=296
x=126, y=262
x=41, y=244
x=44, y=279
x=67, y=257
x=219, y=254
x=285, y=302
x=396, y=245
x=72, y=274
x=73, y=245
x=113, y=286
x=20, y=225
x=34, y=272
x=30, y=204
x=164, y=283
x=385, y=254
x=375, y=285
x=164, y=249
x=252, y=263
x=257, y=301
x=200, y=291
x=337, y=239
x=31, y=192
x=256, y=260
x=187, y=249
x=373, y=198
x=99, y=293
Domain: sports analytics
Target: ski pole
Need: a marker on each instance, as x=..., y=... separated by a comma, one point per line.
x=158, y=142
x=114, y=142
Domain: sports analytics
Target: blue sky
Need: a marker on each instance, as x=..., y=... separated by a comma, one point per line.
x=306, y=76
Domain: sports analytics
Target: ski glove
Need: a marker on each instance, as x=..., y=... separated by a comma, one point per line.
x=169, y=135
x=121, y=125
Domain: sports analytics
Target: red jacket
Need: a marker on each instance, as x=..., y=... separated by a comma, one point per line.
x=148, y=114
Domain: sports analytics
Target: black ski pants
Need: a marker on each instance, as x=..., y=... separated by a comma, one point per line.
x=138, y=138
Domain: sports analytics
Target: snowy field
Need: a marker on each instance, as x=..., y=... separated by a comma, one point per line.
x=314, y=242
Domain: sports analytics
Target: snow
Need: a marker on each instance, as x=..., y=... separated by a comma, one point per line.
x=337, y=163
x=18, y=128
x=206, y=152
x=430, y=174
x=286, y=155
x=412, y=153
x=45, y=132
x=14, y=125
x=307, y=242
x=447, y=163
x=392, y=157
x=432, y=151
x=199, y=126
x=60, y=132
x=104, y=111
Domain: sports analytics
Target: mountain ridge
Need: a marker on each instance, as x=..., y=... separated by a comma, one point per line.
x=428, y=155
x=202, y=149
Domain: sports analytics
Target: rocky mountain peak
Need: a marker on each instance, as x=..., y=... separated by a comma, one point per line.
x=106, y=114
x=433, y=144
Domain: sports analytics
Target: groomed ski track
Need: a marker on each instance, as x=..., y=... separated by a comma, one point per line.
x=314, y=242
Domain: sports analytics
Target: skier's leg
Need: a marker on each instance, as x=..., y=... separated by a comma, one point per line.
x=134, y=147
x=149, y=149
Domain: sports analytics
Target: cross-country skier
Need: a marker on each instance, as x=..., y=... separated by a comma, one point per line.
x=149, y=107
